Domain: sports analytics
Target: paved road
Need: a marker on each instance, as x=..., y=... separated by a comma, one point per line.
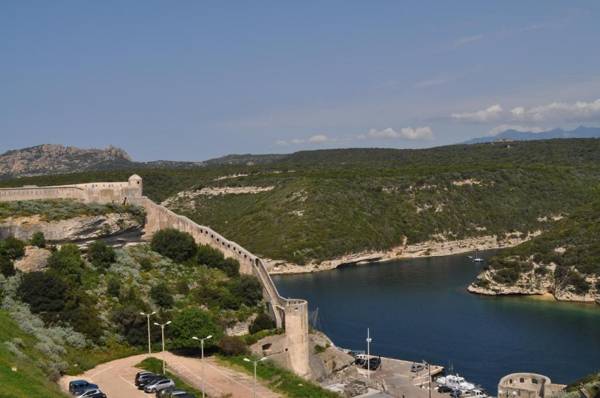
x=115, y=378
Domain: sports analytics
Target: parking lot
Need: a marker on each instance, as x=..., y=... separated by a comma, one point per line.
x=116, y=378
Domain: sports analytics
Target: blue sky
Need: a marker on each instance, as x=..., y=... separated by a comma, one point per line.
x=190, y=80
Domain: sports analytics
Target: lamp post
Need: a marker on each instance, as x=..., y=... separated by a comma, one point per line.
x=162, y=332
x=255, y=363
x=148, y=317
x=202, y=360
x=369, y=340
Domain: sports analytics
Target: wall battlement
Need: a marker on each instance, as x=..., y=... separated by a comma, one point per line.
x=290, y=314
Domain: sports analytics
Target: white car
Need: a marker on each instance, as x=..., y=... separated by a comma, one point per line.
x=159, y=385
x=92, y=393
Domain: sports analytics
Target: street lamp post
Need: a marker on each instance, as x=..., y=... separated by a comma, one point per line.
x=202, y=360
x=255, y=363
x=148, y=317
x=369, y=340
x=162, y=332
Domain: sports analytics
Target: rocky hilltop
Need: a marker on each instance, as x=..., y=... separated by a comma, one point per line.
x=58, y=159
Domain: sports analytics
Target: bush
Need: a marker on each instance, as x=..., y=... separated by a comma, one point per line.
x=132, y=326
x=101, y=255
x=262, y=322
x=67, y=263
x=38, y=239
x=7, y=268
x=194, y=322
x=176, y=245
x=113, y=287
x=213, y=258
x=248, y=289
x=233, y=345
x=162, y=296
x=45, y=293
x=12, y=248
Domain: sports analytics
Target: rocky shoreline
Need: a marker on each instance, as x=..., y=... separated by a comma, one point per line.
x=431, y=248
x=531, y=285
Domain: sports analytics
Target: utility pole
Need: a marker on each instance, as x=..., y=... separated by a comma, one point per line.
x=162, y=332
x=369, y=340
x=202, y=360
x=148, y=317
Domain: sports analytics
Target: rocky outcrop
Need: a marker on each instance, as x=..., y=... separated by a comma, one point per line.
x=75, y=229
x=54, y=159
x=35, y=259
x=533, y=283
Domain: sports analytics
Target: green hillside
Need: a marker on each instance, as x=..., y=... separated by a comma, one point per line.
x=20, y=376
x=333, y=202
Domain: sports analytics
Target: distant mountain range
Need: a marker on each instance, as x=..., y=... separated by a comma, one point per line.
x=514, y=135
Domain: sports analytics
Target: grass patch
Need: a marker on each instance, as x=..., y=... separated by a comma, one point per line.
x=279, y=379
x=155, y=365
x=81, y=360
x=17, y=351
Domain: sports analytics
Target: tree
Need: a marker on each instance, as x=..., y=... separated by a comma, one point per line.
x=262, y=322
x=194, y=322
x=12, y=248
x=213, y=258
x=162, y=296
x=132, y=325
x=113, y=287
x=247, y=288
x=7, y=267
x=176, y=245
x=101, y=255
x=67, y=263
x=233, y=345
x=38, y=239
x=44, y=292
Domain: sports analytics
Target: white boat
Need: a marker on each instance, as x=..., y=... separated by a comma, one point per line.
x=456, y=382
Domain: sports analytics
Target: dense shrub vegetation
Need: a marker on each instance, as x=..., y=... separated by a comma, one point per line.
x=332, y=202
x=176, y=245
x=570, y=245
x=63, y=209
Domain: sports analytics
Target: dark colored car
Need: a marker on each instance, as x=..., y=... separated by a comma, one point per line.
x=444, y=389
x=372, y=364
x=78, y=387
x=149, y=379
x=141, y=374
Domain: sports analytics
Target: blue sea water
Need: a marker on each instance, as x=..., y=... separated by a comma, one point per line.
x=419, y=309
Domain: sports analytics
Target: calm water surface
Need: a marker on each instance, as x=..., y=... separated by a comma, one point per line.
x=419, y=309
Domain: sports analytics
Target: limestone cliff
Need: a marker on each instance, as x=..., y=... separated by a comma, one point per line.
x=75, y=229
x=539, y=280
x=56, y=159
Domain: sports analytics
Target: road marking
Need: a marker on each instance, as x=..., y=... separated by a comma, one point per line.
x=128, y=382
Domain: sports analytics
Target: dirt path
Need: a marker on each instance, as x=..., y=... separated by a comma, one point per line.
x=115, y=378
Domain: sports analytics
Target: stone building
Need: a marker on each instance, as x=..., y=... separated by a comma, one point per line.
x=527, y=385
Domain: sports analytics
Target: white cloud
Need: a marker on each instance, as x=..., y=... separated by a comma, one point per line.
x=485, y=115
x=409, y=133
x=559, y=111
x=466, y=40
x=318, y=139
x=503, y=127
x=282, y=143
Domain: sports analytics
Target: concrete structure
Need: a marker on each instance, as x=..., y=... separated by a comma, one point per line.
x=527, y=385
x=290, y=314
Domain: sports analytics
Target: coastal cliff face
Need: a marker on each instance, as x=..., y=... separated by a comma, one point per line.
x=538, y=280
x=79, y=228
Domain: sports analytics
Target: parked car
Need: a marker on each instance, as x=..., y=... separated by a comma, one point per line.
x=417, y=367
x=444, y=389
x=149, y=379
x=171, y=392
x=374, y=363
x=94, y=393
x=78, y=387
x=159, y=384
x=143, y=373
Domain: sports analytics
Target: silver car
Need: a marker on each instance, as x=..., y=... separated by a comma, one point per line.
x=159, y=385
